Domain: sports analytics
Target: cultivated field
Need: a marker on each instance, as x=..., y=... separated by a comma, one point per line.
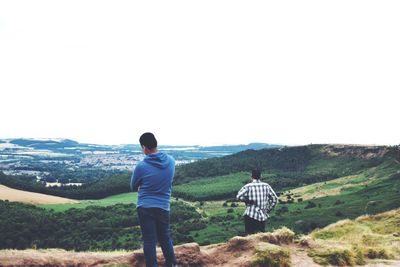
x=10, y=194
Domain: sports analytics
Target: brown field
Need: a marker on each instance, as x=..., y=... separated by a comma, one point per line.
x=11, y=194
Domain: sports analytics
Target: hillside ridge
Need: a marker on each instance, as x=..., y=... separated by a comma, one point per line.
x=278, y=248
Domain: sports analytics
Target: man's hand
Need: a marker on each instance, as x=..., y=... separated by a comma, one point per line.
x=249, y=202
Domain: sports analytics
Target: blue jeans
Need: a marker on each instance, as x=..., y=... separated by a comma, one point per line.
x=154, y=223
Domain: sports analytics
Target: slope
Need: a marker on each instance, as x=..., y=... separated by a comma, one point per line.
x=11, y=194
x=377, y=245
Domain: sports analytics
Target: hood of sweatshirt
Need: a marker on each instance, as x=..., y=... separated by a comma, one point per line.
x=159, y=160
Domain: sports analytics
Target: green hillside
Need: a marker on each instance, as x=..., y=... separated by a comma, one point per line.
x=299, y=161
x=125, y=198
x=282, y=168
x=335, y=182
x=319, y=185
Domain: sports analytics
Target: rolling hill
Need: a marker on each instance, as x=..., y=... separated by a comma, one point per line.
x=318, y=185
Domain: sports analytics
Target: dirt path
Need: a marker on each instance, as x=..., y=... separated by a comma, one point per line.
x=299, y=257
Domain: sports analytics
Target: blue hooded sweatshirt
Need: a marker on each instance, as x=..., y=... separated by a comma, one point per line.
x=154, y=175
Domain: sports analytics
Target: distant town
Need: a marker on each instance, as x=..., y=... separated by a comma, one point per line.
x=64, y=161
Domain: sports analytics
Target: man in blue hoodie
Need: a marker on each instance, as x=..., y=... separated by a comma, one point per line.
x=152, y=178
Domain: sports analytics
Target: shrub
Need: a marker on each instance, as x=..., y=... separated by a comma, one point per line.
x=338, y=213
x=310, y=205
x=282, y=209
x=338, y=202
x=395, y=176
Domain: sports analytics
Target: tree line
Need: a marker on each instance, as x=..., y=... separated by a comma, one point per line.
x=25, y=226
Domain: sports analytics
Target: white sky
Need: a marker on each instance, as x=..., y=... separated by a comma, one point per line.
x=201, y=72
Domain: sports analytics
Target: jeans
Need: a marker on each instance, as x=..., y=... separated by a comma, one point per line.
x=154, y=223
x=253, y=226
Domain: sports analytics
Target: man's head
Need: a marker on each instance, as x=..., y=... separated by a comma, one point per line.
x=148, y=141
x=256, y=174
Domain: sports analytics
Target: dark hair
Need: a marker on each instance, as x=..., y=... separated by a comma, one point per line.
x=148, y=140
x=256, y=174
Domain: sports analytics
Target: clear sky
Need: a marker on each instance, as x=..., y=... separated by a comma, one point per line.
x=201, y=72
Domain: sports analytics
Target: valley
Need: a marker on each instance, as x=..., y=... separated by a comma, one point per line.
x=317, y=184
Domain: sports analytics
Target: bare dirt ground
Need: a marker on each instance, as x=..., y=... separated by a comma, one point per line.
x=11, y=194
x=237, y=252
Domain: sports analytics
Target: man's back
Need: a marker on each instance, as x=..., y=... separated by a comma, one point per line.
x=262, y=199
x=154, y=176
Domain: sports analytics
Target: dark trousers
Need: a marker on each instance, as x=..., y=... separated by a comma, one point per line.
x=154, y=223
x=253, y=226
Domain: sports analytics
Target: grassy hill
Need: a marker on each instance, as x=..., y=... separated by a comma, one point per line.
x=305, y=162
x=319, y=185
x=284, y=168
x=327, y=183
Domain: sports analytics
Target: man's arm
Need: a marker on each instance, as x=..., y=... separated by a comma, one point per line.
x=243, y=195
x=272, y=198
x=136, y=180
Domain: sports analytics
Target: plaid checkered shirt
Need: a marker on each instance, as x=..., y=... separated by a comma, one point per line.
x=263, y=197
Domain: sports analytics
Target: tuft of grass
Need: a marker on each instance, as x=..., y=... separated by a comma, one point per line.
x=284, y=235
x=272, y=256
x=280, y=236
x=337, y=256
x=378, y=253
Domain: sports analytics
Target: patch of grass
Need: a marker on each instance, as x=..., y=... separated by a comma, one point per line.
x=371, y=231
x=377, y=253
x=281, y=236
x=338, y=257
x=218, y=231
x=125, y=198
x=367, y=237
x=272, y=256
x=218, y=187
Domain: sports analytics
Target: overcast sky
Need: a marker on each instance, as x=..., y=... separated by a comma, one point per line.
x=201, y=72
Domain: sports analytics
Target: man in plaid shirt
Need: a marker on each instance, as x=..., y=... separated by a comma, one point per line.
x=260, y=199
